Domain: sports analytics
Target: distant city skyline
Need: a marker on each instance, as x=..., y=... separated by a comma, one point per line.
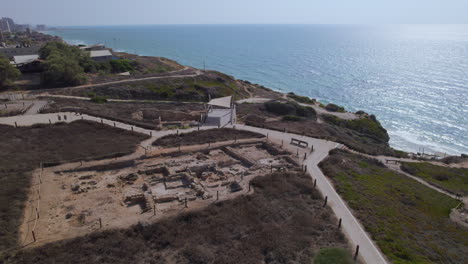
x=139, y=12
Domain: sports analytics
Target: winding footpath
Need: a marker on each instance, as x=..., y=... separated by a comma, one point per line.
x=352, y=229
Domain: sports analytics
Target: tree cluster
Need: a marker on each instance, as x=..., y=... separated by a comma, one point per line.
x=8, y=73
x=67, y=65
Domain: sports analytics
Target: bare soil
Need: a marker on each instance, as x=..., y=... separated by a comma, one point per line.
x=73, y=197
x=23, y=148
x=283, y=221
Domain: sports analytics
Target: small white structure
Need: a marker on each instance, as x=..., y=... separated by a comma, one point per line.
x=220, y=112
x=101, y=55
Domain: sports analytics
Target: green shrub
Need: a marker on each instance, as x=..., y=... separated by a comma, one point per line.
x=301, y=99
x=8, y=73
x=334, y=108
x=366, y=125
x=99, y=99
x=122, y=65
x=292, y=118
x=306, y=111
x=280, y=108
x=290, y=108
x=333, y=256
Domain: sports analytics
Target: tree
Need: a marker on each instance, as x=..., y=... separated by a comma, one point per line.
x=62, y=70
x=64, y=64
x=8, y=73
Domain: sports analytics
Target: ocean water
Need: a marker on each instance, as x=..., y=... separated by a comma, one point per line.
x=414, y=78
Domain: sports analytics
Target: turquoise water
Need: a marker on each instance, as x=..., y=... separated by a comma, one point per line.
x=413, y=77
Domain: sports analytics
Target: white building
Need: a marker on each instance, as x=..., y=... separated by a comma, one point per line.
x=101, y=55
x=221, y=112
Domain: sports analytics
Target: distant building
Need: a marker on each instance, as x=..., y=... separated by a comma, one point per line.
x=93, y=47
x=27, y=63
x=20, y=51
x=7, y=24
x=101, y=55
x=22, y=28
x=41, y=27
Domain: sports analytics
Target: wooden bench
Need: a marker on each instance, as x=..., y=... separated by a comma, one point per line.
x=299, y=143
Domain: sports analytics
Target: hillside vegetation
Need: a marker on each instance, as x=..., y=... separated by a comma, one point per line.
x=283, y=221
x=409, y=221
x=198, y=88
x=454, y=180
x=364, y=135
x=205, y=136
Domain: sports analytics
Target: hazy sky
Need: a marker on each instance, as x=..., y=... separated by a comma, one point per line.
x=119, y=12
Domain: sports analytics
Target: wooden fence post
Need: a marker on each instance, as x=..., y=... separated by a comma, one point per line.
x=217, y=195
x=100, y=222
x=339, y=223
x=34, y=236
x=154, y=209
x=356, y=253
x=326, y=200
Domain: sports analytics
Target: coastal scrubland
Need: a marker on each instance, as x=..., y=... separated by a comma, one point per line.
x=141, y=114
x=409, y=221
x=198, y=88
x=205, y=136
x=283, y=221
x=454, y=180
x=365, y=134
x=23, y=148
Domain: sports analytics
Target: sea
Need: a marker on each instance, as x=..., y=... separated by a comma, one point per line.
x=414, y=78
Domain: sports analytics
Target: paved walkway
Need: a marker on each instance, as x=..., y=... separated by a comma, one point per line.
x=36, y=107
x=355, y=233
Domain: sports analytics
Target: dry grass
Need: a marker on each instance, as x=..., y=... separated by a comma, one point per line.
x=23, y=148
x=147, y=112
x=205, y=136
x=282, y=222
